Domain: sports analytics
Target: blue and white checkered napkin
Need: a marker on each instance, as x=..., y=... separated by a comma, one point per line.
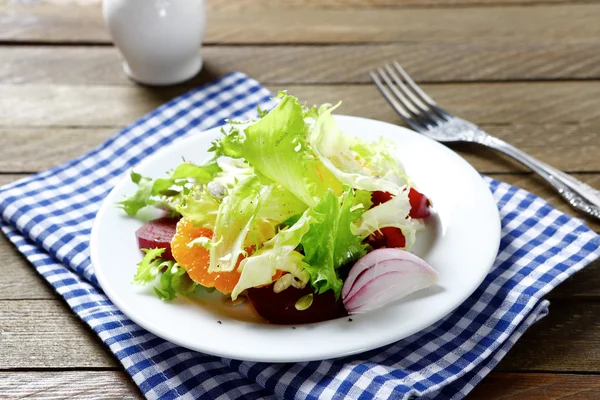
x=48, y=217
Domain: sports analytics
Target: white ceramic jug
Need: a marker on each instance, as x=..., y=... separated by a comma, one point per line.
x=159, y=39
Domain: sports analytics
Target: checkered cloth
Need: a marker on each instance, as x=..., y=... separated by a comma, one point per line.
x=48, y=216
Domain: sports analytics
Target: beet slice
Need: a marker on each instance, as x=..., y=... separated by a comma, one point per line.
x=279, y=308
x=158, y=233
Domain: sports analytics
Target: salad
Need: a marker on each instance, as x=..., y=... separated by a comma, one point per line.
x=307, y=223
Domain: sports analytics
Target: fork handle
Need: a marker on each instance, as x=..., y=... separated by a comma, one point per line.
x=578, y=194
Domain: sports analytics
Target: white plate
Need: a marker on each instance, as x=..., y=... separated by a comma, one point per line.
x=461, y=242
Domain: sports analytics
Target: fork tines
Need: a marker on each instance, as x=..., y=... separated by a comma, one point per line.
x=413, y=105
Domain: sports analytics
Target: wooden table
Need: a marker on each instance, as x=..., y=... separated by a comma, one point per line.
x=526, y=70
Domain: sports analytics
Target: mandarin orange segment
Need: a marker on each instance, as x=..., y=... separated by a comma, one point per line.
x=196, y=259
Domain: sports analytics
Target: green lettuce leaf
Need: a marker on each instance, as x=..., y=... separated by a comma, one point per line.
x=174, y=280
x=230, y=145
x=248, y=217
x=168, y=193
x=201, y=204
x=232, y=172
x=330, y=243
x=235, y=218
x=185, y=172
x=278, y=204
x=355, y=163
x=276, y=254
x=199, y=207
x=362, y=200
x=276, y=147
x=379, y=156
x=393, y=213
x=149, y=268
x=141, y=198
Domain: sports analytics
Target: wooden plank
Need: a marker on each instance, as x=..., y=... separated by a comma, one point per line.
x=507, y=103
x=79, y=105
x=583, y=285
x=569, y=158
x=48, y=22
x=67, y=385
x=534, y=103
x=569, y=147
x=242, y=5
x=46, y=334
x=523, y=386
x=112, y=384
x=30, y=150
x=568, y=340
x=556, y=122
x=8, y=178
x=430, y=62
x=248, y=4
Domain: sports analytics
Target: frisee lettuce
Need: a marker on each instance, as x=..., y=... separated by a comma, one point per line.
x=167, y=193
x=173, y=281
x=275, y=146
x=276, y=254
x=141, y=198
x=351, y=160
x=234, y=221
x=149, y=267
x=248, y=217
x=330, y=243
x=393, y=213
x=291, y=189
x=199, y=207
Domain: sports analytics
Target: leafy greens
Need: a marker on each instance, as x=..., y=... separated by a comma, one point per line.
x=287, y=193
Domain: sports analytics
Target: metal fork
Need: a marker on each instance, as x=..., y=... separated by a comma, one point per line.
x=422, y=114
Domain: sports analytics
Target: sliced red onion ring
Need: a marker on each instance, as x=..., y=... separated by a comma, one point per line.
x=383, y=276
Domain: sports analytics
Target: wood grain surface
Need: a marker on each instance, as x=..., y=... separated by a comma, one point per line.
x=515, y=386
x=240, y=5
x=534, y=103
x=562, y=154
x=76, y=385
x=527, y=71
x=28, y=325
x=337, y=63
x=99, y=385
x=82, y=23
x=245, y=4
x=557, y=122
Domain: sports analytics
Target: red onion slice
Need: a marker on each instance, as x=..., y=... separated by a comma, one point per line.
x=384, y=276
